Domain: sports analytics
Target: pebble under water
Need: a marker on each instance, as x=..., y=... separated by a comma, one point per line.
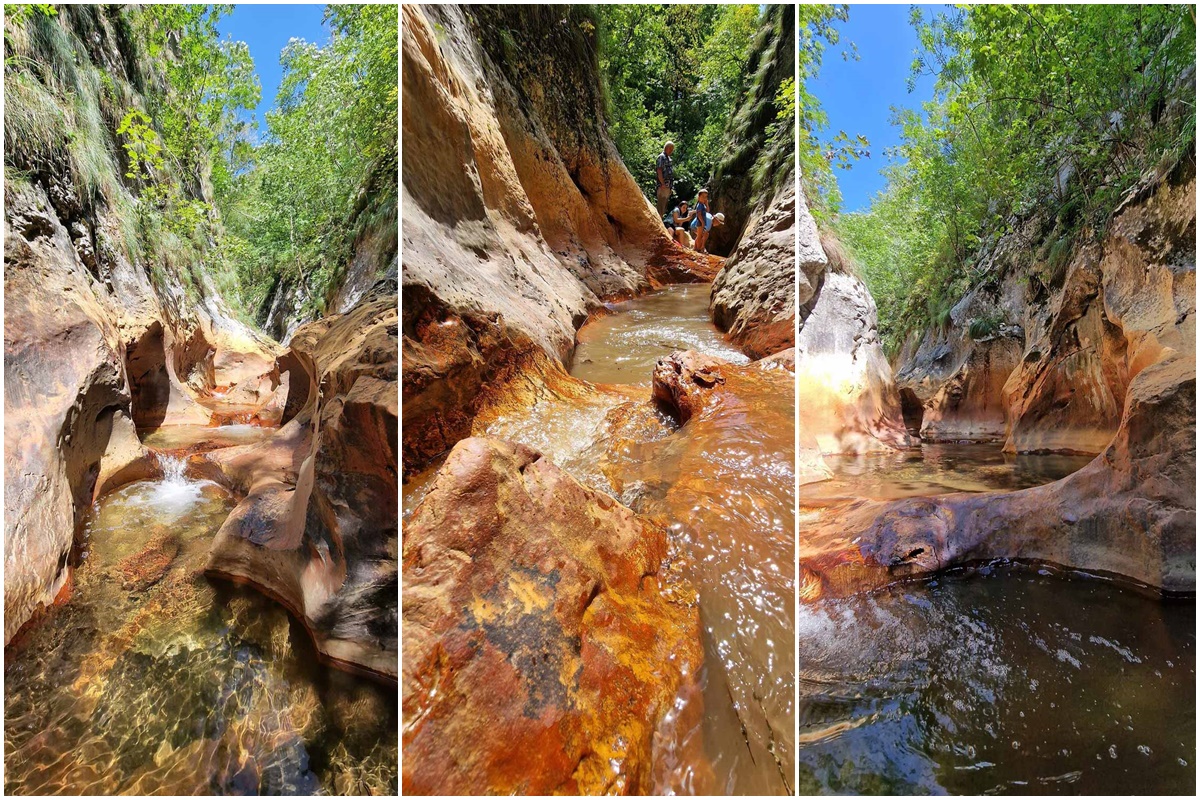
x=152, y=679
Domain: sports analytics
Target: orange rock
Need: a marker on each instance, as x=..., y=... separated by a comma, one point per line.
x=546, y=643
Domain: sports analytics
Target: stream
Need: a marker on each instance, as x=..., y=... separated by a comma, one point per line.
x=1007, y=678
x=153, y=679
x=723, y=486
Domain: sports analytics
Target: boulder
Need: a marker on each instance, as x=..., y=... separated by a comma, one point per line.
x=754, y=294
x=548, y=639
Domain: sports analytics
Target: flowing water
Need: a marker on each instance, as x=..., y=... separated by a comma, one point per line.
x=622, y=346
x=723, y=485
x=152, y=679
x=1003, y=679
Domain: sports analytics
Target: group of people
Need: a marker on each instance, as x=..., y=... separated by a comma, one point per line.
x=689, y=227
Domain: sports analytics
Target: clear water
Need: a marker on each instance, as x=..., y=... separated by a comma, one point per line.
x=1007, y=682
x=152, y=679
x=937, y=469
x=181, y=437
x=1008, y=679
x=623, y=346
x=723, y=487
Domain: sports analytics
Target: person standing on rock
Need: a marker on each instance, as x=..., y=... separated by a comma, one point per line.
x=665, y=168
x=704, y=221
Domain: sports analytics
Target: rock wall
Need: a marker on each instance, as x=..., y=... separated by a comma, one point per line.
x=519, y=217
x=1121, y=330
x=93, y=350
x=103, y=337
x=1052, y=368
x=847, y=398
x=754, y=294
x=771, y=61
x=316, y=525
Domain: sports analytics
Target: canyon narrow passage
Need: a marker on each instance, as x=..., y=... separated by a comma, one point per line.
x=151, y=676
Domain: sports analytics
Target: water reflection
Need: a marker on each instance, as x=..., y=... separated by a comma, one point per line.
x=1010, y=681
x=937, y=469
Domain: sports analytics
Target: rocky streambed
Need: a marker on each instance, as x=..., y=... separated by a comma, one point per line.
x=618, y=557
x=997, y=539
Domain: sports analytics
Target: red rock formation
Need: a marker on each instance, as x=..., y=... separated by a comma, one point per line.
x=518, y=215
x=1123, y=325
x=546, y=637
x=754, y=295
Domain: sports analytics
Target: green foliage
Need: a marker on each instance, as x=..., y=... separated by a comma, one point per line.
x=143, y=148
x=1052, y=112
x=286, y=213
x=987, y=325
x=673, y=72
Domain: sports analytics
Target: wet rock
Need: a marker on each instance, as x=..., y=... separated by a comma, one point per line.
x=317, y=528
x=519, y=217
x=546, y=642
x=754, y=295
x=681, y=379
x=1132, y=510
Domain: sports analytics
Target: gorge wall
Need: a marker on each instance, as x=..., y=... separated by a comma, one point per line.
x=519, y=216
x=846, y=395
x=107, y=333
x=1100, y=358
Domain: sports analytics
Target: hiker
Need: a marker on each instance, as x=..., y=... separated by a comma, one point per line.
x=665, y=169
x=704, y=221
x=678, y=223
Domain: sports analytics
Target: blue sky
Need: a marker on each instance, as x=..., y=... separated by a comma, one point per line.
x=858, y=95
x=267, y=30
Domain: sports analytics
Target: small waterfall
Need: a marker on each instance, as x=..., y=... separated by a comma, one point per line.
x=175, y=494
x=173, y=468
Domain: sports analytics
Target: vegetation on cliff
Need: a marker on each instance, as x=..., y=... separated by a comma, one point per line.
x=674, y=72
x=1046, y=113
x=151, y=119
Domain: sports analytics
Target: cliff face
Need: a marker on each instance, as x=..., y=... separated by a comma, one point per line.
x=519, y=216
x=107, y=333
x=754, y=294
x=847, y=398
x=1047, y=367
x=98, y=338
x=771, y=61
x=1106, y=363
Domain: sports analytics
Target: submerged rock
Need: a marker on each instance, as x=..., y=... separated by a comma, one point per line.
x=549, y=645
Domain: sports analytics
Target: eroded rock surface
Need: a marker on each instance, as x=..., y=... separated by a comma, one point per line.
x=848, y=401
x=519, y=216
x=1122, y=330
x=317, y=525
x=754, y=294
x=561, y=603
